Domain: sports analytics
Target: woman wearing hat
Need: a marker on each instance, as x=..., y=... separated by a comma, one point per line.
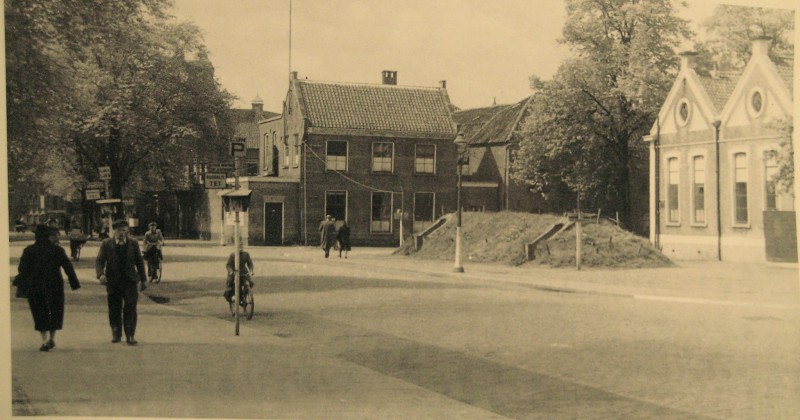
x=40, y=278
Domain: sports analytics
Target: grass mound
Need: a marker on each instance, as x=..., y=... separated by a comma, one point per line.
x=501, y=238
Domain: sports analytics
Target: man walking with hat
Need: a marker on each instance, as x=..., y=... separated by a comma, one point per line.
x=120, y=266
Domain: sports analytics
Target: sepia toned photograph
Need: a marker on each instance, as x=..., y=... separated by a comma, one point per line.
x=409, y=209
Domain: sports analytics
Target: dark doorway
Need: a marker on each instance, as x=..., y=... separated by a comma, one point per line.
x=273, y=223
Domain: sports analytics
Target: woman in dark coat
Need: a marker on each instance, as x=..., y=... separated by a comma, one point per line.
x=40, y=277
x=343, y=236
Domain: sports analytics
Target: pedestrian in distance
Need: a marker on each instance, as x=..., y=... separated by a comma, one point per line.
x=343, y=236
x=327, y=234
x=40, y=280
x=120, y=267
x=246, y=271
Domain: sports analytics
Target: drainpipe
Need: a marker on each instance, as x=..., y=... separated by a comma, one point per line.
x=717, y=124
x=657, y=170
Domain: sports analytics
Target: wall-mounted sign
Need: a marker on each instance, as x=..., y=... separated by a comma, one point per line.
x=215, y=180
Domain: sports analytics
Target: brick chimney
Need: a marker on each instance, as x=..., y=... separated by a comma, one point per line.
x=688, y=59
x=294, y=75
x=443, y=84
x=258, y=105
x=761, y=45
x=389, y=77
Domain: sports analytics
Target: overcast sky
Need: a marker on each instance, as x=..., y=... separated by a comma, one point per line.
x=486, y=50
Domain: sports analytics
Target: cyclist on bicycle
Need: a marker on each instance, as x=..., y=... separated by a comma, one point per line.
x=153, y=240
x=246, y=271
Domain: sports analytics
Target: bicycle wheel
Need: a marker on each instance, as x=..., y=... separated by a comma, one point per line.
x=232, y=306
x=78, y=253
x=249, y=304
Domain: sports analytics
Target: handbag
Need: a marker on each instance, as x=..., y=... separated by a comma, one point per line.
x=22, y=286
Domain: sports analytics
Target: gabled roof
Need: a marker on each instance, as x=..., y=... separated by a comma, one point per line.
x=245, y=123
x=470, y=121
x=719, y=88
x=497, y=124
x=786, y=71
x=375, y=108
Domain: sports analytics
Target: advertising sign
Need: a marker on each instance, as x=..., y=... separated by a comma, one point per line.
x=215, y=180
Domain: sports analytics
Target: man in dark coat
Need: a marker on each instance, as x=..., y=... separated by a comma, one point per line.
x=120, y=266
x=327, y=232
x=40, y=278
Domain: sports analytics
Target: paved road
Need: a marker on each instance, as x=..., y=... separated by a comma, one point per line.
x=375, y=336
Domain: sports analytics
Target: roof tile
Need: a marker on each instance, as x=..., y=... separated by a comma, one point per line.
x=376, y=107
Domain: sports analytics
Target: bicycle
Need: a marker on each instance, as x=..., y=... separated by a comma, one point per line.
x=246, y=300
x=155, y=263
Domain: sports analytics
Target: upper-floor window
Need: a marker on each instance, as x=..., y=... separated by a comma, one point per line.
x=382, y=157
x=740, y=188
x=286, y=152
x=266, y=148
x=296, y=160
x=336, y=155
x=698, y=189
x=673, y=182
x=683, y=111
x=770, y=170
x=425, y=159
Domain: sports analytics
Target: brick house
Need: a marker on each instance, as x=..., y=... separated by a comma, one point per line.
x=492, y=134
x=712, y=163
x=364, y=153
x=245, y=126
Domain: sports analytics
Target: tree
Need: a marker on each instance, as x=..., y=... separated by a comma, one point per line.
x=97, y=83
x=587, y=127
x=731, y=30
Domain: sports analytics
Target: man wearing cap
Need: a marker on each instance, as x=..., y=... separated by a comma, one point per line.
x=120, y=266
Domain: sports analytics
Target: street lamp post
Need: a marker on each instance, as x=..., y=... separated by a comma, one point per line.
x=461, y=146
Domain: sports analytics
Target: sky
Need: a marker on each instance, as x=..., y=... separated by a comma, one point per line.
x=485, y=50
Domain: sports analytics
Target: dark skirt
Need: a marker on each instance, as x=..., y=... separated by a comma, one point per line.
x=47, y=310
x=344, y=244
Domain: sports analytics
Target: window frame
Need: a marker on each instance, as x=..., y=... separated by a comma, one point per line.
x=767, y=177
x=286, y=157
x=372, y=158
x=296, y=157
x=417, y=158
x=693, y=185
x=346, y=155
x=734, y=194
x=677, y=200
x=414, y=219
x=683, y=122
x=372, y=230
x=346, y=202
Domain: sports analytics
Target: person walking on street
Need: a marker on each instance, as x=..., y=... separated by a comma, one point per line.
x=343, y=236
x=120, y=266
x=40, y=279
x=327, y=230
x=153, y=241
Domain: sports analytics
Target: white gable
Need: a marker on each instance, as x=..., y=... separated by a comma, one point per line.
x=702, y=113
x=760, y=75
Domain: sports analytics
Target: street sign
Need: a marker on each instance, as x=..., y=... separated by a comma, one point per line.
x=95, y=185
x=105, y=173
x=215, y=180
x=238, y=149
x=220, y=167
x=92, y=194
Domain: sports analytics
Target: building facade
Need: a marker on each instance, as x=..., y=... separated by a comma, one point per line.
x=493, y=136
x=379, y=156
x=713, y=160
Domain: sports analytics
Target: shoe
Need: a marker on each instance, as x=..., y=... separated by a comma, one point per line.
x=130, y=341
x=116, y=336
x=44, y=347
x=51, y=344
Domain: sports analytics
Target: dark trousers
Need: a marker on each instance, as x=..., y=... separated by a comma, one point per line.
x=122, y=300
